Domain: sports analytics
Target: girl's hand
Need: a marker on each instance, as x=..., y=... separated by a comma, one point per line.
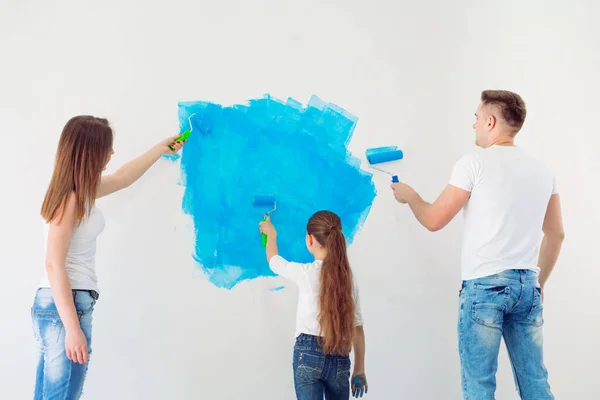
x=359, y=384
x=170, y=141
x=267, y=227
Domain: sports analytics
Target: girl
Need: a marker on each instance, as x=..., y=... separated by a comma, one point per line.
x=329, y=321
x=62, y=309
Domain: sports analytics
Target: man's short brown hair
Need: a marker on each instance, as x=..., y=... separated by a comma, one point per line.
x=511, y=106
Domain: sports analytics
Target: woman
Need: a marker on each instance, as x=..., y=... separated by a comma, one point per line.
x=328, y=322
x=62, y=309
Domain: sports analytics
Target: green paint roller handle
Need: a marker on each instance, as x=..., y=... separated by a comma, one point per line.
x=264, y=237
x=184, y=136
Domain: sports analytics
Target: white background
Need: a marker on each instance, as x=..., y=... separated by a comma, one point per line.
x=411, y=71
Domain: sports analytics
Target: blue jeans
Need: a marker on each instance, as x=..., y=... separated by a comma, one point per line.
x=509, y=305
x=57, y=377
x=317, y=374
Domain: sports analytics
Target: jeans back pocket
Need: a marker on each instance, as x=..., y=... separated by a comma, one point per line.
x=343, y=369
x=489, y=304
x=47, y=328
x=310, y=367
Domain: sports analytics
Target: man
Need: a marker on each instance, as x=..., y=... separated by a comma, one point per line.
x=509, y=199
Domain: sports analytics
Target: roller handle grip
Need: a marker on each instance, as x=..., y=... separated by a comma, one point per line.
x=184, y=136
x=264, y=237
x=395, y=179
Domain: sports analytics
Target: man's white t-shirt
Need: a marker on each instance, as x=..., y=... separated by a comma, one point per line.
x=308, y=279
x=510, y=192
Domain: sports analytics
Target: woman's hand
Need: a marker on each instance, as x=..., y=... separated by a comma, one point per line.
x=170, y=141
x=359, y=384
x=76, y=346
x=267, y=227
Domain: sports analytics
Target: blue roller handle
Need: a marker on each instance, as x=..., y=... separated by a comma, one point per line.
x=395, y=179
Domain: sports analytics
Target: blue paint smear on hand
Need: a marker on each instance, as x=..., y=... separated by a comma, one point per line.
x=298, y=154
x=277, y=289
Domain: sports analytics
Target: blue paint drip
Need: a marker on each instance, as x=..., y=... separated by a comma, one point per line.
x=277, y=289
x=299, y=154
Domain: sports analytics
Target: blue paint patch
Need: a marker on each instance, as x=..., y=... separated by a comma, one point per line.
x=277, y=289
x=172, y=157
x=298, y=154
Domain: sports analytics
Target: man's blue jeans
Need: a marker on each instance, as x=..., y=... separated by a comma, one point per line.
x=509, y=305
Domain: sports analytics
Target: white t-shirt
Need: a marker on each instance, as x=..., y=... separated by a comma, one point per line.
x=510, y=192
x=81, y=256
x=308, y=279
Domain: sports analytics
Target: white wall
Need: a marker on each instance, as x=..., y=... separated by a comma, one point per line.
x=411, y=71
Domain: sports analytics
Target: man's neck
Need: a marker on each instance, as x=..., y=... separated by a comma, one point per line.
x=503, y=140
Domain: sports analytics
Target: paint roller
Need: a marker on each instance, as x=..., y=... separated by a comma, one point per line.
x=268, y=201
x=378, y=155
x=185, y=135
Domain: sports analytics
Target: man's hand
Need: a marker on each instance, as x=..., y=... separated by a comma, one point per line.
x=402, y=192
x=542, y=295
x=432, y=216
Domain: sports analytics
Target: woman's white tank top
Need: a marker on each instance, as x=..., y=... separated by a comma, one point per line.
x=81, y=256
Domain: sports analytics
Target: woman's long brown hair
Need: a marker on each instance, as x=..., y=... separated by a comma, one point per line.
x=83, y=149
x=336, y=301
